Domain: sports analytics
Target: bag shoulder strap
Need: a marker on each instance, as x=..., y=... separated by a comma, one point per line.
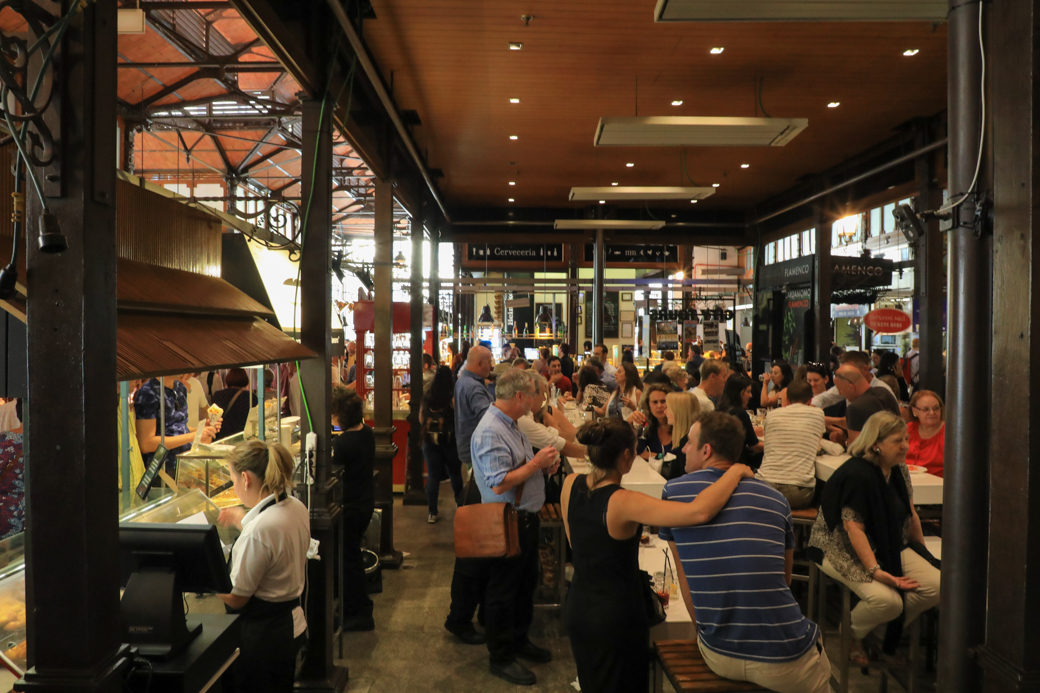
x=519, y=494
x=232, y=402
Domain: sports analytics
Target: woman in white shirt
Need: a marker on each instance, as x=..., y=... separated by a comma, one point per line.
x=268, y=568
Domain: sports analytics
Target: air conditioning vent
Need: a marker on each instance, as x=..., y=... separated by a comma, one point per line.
x=640, y=193
x=696, y=131
x=801, y=10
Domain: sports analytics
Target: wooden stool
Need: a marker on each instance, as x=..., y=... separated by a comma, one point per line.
x=550, y=518
x=803, y=521
x=681, y=662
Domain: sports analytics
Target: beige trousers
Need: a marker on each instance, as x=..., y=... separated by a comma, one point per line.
x=881, y=603
x=810, y=673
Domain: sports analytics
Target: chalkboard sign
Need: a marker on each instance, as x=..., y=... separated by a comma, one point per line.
x=149, y=474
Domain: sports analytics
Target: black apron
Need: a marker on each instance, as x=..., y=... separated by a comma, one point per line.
x=267, y=662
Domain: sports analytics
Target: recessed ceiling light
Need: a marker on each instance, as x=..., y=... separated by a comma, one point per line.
x=714, y=185
x=693, y=202
x=742, y=166
x=629, y=165
x=603, y=202
x=677, y=102
x=833, y=104
x=513, y=137
x=512, y=182
x=514, y=100
x=911, y=52
x=511, y=199
x=716, y=51
x=613, y=183
x=515, y=46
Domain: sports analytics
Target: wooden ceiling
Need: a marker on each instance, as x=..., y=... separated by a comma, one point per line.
x=583, y=59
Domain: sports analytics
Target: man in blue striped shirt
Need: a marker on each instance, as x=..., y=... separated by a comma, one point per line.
x=738, y=570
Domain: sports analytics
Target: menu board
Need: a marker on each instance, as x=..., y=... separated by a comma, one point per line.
x=668, y=335
x=149, y=474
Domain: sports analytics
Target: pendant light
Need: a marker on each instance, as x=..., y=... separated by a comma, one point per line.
x=485, y=316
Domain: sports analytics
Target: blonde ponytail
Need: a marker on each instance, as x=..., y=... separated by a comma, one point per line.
x=269, y=462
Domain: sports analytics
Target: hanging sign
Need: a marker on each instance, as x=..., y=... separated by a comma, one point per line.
x=711, y=335
x=797, y=271
x=849, y=273
x=635, y=253
x=550, y=252
x=887, y=321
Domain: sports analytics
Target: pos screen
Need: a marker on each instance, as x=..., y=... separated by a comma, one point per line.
x=153, y=468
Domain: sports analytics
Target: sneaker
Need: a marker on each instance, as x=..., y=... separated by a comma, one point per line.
x=433, y=519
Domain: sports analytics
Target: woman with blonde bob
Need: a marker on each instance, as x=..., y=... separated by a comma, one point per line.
x=868, y=535
x=669, y=414
x=268, y=566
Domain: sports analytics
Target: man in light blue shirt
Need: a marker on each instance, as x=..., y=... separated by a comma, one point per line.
x=468, y=582
x=505, y=468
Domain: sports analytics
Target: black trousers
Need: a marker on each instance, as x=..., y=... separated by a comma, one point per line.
x=509, y=598
x=355, y=596
x=267, y=661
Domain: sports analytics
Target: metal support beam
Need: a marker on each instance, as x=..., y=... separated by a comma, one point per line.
x=966, y=491
x=930, y=280
x=319, y=674
x=383, y=380
x=599, y=264
x=822, y=329
x=71, y=548
x=414, y=492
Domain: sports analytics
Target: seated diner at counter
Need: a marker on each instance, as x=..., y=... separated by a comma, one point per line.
x=179, y=436
x=624, y=400
x=734, y=400
x=604, y=615
x=591, y=390
x=868, y=535
x=681, y=409
x=779, y=377
x=927, y=430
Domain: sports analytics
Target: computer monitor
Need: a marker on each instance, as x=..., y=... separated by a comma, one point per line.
x=531, y=354
x=158, y=563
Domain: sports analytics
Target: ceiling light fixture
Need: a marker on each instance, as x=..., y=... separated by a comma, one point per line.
x=513, y=46
x=833, y=104
x=693, y=202
x=629, y=165
x=639, y=193
x=514, y=100
x=911, y=52
x=742, y=166
x=677, y=102
x=512, y=182
x=603, y=202
x=513, y=137
x=511, y=199
x=716, y=51
x=696, y=131
x=714, y=185
x=614, y=183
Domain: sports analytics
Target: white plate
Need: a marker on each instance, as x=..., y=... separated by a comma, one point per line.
x=915, y=469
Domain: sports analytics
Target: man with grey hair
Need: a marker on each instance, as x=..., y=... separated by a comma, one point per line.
x=542, y=430
x=506, y=471
x=864, y=400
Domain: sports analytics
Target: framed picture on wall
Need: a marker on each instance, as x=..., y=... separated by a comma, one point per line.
x=628, y=315
x=626, y=296
x=626, y=330
x=578, y=307
x=579, y=319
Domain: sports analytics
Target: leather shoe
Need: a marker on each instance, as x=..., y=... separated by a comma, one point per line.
x=515, y=673
x=533, y=653
x=469, y=636
x=359, y=623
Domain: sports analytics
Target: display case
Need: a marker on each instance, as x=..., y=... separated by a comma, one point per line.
x=206, y=470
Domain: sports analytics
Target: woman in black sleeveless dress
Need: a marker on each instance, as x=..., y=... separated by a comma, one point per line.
x=604, y=615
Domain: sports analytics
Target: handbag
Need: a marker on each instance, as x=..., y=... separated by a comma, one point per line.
x=654, y=607
x=488, y=530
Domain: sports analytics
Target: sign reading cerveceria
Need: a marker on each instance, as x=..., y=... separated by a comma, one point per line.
x=552, y=252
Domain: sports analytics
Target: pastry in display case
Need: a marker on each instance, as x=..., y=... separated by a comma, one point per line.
x=206, y=471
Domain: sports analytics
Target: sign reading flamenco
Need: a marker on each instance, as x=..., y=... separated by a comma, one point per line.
x=887, y=321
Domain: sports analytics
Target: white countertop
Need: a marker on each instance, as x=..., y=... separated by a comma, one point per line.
x=928, y=488
x=641, y=478
x=651, y=559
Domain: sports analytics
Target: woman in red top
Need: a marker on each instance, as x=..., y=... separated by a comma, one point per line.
x=927, y=430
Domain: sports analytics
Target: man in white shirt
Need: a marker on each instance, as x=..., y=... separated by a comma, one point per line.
x=609, y=371
x=792, y=438
x=541, y=435
x=861, y=361
x=713, y=381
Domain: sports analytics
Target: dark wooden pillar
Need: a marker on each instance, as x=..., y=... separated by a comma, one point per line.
x=573, y=330
x=966, y=512
x=319, y=673
x=930, y=274
x=435, y=292
x=822, y=327
x=1012, y=637
x=598, y=266
x=414, y=489
x=382, y=371
x=71, y=551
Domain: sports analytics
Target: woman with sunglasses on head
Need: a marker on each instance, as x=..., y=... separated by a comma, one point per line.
x=927, y=429
x=777, y=380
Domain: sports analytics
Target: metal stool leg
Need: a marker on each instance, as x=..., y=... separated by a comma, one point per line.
x=810, y=600
x=846, y=638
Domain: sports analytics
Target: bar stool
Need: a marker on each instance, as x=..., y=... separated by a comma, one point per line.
x=803, y=521
x=551, y=520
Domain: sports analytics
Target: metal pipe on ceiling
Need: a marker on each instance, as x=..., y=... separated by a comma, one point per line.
x=855, y=179
x=377, y=83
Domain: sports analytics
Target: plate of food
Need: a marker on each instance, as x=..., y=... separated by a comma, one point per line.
x=915, y=469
